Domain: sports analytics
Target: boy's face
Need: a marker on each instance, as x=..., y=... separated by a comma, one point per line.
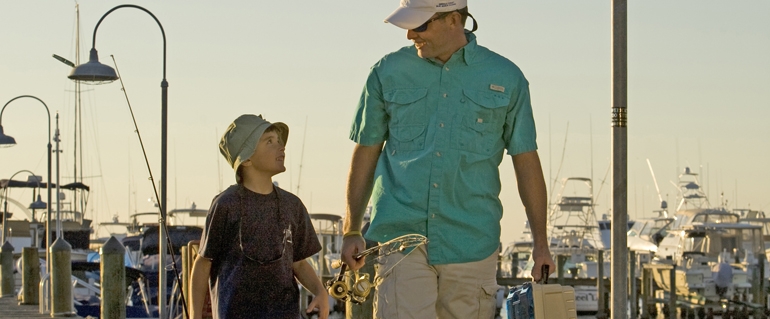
x=270, y=154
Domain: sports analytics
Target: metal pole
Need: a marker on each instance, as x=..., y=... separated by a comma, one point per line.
x=58, y=190
x=634, y=298
x=619, y=307
x=5, y=215
x=163, y=174
x=162, y=244
x=48, y=209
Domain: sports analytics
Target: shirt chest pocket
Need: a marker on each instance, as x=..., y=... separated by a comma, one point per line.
x=478, y=126
x=407, y=109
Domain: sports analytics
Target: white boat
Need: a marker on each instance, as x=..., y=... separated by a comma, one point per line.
x=715, y=254
x=514, y=257
x=574, y=233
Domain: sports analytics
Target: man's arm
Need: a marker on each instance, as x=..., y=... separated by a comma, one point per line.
x=199, y=281
x=308, y=278
x=360, y=183
x=529, y=178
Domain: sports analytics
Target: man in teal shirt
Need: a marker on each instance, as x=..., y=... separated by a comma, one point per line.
x=444, y=109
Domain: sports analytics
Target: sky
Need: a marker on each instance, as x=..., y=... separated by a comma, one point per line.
x=698, y=73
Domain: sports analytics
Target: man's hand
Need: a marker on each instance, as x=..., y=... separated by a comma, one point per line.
x=542, y=256
x=351, y=246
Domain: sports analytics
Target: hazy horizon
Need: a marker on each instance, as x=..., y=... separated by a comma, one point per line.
x=698, y=74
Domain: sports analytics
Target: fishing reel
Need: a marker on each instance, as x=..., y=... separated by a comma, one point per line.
x=362, y=286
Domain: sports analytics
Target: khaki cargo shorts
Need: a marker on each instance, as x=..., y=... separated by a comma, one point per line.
x=415, y=289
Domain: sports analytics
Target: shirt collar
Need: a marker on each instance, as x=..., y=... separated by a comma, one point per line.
x=469, y=50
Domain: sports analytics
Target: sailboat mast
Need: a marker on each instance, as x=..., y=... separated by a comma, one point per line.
x=78, y=136
x=79, y=107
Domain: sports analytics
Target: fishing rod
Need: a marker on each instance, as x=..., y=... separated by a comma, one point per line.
x=162, y=221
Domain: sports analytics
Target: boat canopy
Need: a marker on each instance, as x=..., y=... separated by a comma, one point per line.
x=5, y=183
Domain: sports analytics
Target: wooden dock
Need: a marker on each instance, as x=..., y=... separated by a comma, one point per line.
x=10, y=309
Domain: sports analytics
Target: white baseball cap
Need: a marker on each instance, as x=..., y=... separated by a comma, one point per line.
x=413, y=13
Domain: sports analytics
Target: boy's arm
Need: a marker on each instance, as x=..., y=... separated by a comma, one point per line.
x=199, y=285
x=308, y=278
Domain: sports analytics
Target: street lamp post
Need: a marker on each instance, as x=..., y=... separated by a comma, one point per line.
x=94, y=71
x=7, y=141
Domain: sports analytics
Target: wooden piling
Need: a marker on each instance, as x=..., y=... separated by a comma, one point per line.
x=672, y=294
x=6, y=271
x=61, y=279
x=30, y=276
x=113, y=280
x=601, y=313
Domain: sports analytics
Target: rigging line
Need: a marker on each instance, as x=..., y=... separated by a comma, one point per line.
x=563, y=151
x=162, y=222
x=604, y=180
x=301, y=156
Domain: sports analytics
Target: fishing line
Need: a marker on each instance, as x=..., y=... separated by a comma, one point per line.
x=162, y=220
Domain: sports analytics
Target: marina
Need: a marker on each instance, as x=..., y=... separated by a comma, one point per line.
x=97, y=218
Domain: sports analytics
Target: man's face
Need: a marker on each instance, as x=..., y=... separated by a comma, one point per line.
x=270, y=154
x=433, y=42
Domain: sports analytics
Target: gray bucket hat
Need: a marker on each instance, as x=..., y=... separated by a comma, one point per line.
x=240, y=139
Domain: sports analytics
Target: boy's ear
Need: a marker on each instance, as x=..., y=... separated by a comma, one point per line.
x=246, y=162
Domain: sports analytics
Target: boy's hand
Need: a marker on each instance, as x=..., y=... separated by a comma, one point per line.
x=320, y=303
x=352, y=245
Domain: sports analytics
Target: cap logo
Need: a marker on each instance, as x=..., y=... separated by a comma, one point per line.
x=446, y=4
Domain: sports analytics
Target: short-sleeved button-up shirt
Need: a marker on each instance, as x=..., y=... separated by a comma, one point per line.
x=445, y=127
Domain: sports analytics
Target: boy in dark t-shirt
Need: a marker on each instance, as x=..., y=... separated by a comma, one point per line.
x=257, y=235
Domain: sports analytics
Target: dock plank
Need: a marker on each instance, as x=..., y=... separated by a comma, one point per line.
x=10, y=308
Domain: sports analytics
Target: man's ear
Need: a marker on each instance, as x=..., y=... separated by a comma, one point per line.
x=457, y=20
x=246, y=163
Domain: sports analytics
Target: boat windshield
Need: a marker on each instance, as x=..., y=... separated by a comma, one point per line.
x=739, y=242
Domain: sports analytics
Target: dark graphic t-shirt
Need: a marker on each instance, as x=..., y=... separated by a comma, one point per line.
x=252, y=241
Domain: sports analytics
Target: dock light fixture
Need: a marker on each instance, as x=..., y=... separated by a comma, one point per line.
x=7, y=141
x=95, y=72
x=38, y=204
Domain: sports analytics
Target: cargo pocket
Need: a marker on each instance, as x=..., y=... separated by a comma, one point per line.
x=487, y=301
x=407, y=137
x=479, y=127
x=408, y=118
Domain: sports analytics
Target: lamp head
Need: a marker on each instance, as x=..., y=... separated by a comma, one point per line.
x=93, y=72
x=5, y=140
x=38, y=204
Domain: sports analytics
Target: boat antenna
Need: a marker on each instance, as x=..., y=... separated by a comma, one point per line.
x=663, y=204
x=162, y=222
